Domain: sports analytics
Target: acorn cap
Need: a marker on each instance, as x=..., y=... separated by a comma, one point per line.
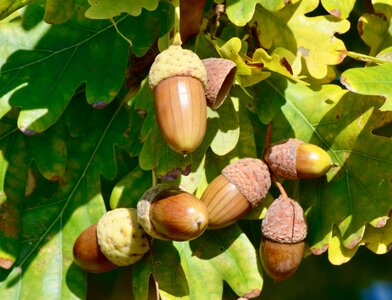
x=120, y=237
x=251, y=177
x=220, y=78
x=281, y=158
x=284, y=221
x=176, y=61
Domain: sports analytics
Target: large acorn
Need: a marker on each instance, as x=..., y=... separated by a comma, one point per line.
x=295, y=159
x=284, y=230
x=178, y=79
x=241, y=186
x=116, y=240
x=168, y=213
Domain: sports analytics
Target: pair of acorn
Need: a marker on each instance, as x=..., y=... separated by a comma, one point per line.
x=121, y=235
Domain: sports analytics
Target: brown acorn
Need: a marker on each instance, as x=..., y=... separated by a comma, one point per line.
x=87, y=253
x=171, y=214
x=178, y=79
x=284, y=230
x=294, y=159
x=241, y=186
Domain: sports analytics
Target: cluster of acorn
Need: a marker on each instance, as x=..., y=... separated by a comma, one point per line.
x=122, y=236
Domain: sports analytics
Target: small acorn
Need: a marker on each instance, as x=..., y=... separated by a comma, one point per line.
x=178, y=79
x=121, y=239
x=294, y=159
x=284, y=230
x=241, y=186
x=168, y=213
x=88, y=255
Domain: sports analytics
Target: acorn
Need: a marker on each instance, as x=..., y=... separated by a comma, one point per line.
x=220, y=78
x=294, y=159
x=240, y=187
x=88, y=255
x=168, y=213
x=284, y=230
x=178, y=79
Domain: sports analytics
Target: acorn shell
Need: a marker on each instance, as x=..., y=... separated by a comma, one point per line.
x=171, y=214
x=280, y=261
x=241, y=186
x=181, y=112
x=87, y=253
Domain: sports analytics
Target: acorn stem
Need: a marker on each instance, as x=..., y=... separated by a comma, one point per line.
x=177, y=35
x=278, y=185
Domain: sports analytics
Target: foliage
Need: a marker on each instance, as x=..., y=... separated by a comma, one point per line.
x=78, y=134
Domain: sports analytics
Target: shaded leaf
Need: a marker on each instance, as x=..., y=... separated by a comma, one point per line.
x=309, y=38
x=57, y=12
x=45, y=265
x=374, y=80
x=13, y=175
x=49, y=151
x=52, y=67
x=128, y=191
x=375, y=29
x=106, y=9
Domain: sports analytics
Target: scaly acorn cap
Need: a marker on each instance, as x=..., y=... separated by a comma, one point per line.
x=284, y=221
x=251, y=177
x=176, y=61
x=280, y=158
x=220, y=78
x=121, y=239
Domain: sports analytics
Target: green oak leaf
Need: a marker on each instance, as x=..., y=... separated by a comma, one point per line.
x=246, y=75
x=52, y=222
x=48, y=73
x=241, y=12
x=57, y=12
x=375, y=80
x=181, y=268
x=13, y=175
x=311, y=39
x=225, y=118
x=342, y=124
x=7, y=7
x=106, y=9
x=338, y=8
x=128, y=191
x=376, y=29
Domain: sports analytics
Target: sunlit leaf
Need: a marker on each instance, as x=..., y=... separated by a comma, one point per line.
x=105, y=9
x=340, y=9
x=7, y=7
x=374, y=80
x=309, y=38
